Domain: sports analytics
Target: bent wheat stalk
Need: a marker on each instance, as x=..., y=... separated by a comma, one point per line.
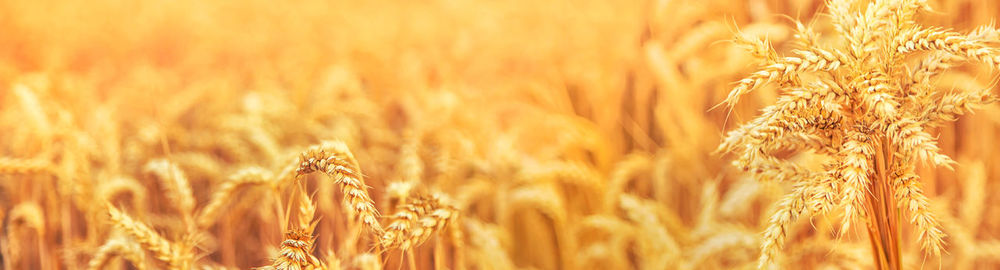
x=337, y=161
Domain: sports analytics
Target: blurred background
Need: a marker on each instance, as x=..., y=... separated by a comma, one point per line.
x=569, y=134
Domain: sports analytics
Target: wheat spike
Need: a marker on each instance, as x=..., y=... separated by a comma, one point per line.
x=910, y=137
x=296, y=253
x=938, y=40
x=9, y=165
x=787, y=211
x=244, y=178
x=337, y=161
x=161, y=248
x=116, y=246
x=911, y=197
x=808, y=60
x=175, y=182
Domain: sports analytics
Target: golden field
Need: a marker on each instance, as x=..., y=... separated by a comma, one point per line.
x=446, y=134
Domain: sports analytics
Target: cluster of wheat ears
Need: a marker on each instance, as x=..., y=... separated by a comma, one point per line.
x=867, y=111
x=499, y=134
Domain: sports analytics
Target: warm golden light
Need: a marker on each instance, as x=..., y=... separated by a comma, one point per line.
x=445, y=134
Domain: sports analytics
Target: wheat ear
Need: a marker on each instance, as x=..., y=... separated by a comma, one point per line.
x=910, y=196
x=337, y=161
x=415, y=221
x=116, y=246
x=175, y=182
x=9, y=165
x=161, y=248
x=244, y=178
x=296, y=252
x=934, y=39
x=807, y=61
x=787, y=211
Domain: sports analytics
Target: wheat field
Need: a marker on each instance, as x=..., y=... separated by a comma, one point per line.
x=444, y=134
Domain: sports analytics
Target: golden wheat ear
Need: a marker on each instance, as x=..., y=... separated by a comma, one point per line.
x=175, y=182
x=117, y=247
x=336, y=160
x=296, y=252
x=14, y=166
x=242, y=179
x=161, y=248
x=863, y=108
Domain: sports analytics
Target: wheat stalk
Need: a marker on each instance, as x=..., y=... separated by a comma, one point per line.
x=864, y=116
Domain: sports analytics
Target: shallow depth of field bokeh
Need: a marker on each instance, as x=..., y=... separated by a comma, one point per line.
x=565, y=134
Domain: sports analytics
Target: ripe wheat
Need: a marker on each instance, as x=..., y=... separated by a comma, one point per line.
x=557, y=134
x=875, y=127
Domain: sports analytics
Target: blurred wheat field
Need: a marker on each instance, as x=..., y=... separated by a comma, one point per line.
x=434, y=134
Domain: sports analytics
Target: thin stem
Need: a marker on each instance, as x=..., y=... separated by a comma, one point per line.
x=438, y=254
x=411, y=259
x=883, y=222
